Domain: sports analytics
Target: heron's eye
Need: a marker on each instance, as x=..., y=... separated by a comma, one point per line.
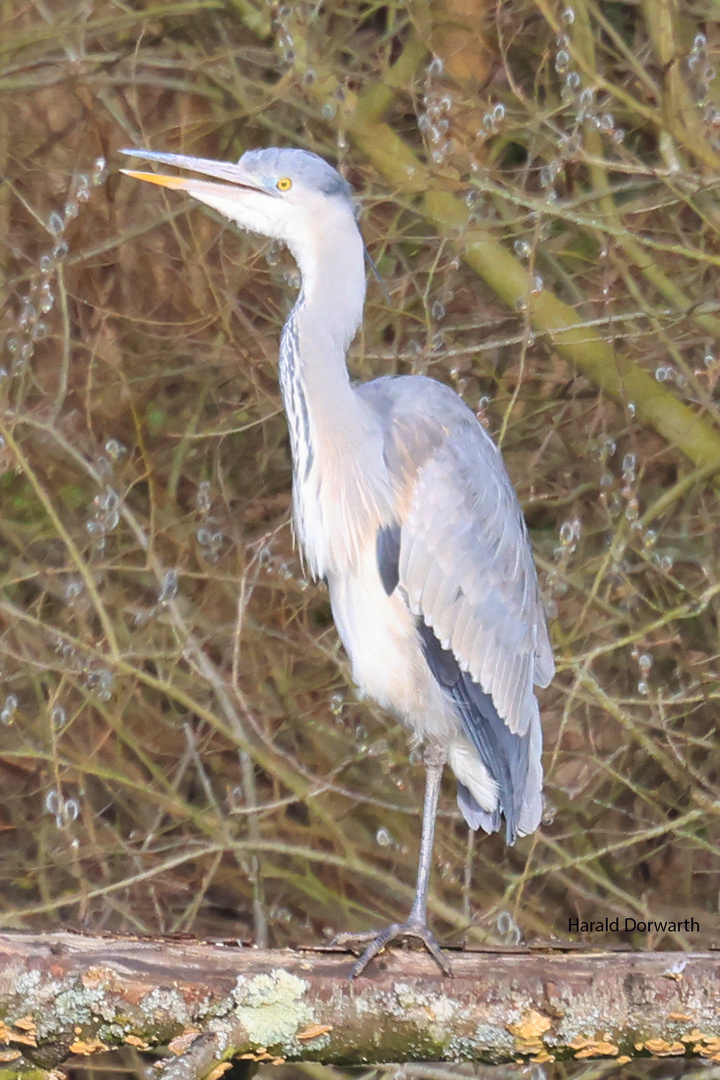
x=284, y=183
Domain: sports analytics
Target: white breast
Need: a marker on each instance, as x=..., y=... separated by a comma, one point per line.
x=341, y=501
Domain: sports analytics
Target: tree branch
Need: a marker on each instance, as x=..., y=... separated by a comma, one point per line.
x=572, y=338
x=67, y=994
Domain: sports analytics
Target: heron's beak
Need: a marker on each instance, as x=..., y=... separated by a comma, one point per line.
x=234, y=176
x=157, y=178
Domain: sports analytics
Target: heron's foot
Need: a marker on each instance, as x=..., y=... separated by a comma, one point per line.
x=378, y=941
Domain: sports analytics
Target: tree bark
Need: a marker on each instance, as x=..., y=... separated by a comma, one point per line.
x=67, y=994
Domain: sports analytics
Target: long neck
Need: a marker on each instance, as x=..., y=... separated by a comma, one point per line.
x=339, y=475
x=319, y=400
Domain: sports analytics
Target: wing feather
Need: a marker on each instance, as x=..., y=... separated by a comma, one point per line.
x=464, y=627
x=447, y=620
x=465, y=564
x=432, y=589
x=487, y=561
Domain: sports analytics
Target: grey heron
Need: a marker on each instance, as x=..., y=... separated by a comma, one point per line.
x=402, y=504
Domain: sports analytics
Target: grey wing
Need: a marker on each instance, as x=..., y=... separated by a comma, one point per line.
x=466, y=566
x=464, y=559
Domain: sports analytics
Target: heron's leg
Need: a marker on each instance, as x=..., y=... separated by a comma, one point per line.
x=434, y=765
x=416, y=925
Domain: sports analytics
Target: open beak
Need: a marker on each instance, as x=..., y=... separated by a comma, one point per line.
x=233, y=176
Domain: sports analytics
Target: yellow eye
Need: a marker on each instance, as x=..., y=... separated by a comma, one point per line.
x=284, y=183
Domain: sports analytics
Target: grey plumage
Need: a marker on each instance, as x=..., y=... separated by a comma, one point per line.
x=306, y=168
x=465, y=570
x=402, y=503
x=464, y=523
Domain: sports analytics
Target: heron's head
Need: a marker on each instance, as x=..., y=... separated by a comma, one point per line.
x=291, y=195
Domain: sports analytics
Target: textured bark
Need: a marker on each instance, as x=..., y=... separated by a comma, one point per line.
x=70, y=994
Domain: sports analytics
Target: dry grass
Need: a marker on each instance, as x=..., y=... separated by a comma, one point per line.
x=181, y=746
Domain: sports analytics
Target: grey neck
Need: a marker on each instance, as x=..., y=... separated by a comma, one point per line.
x=321, y=405
x=341, y=489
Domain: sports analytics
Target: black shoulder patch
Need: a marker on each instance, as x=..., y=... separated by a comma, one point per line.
x=388, y=556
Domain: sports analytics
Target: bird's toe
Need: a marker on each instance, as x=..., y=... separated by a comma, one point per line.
x=378, y=940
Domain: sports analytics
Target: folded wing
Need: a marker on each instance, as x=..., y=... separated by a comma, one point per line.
x=460, y=553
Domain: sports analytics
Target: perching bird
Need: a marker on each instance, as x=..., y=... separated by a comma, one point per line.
x=402, y=504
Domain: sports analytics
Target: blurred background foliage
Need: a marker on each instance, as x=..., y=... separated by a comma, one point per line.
x=181, y=748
